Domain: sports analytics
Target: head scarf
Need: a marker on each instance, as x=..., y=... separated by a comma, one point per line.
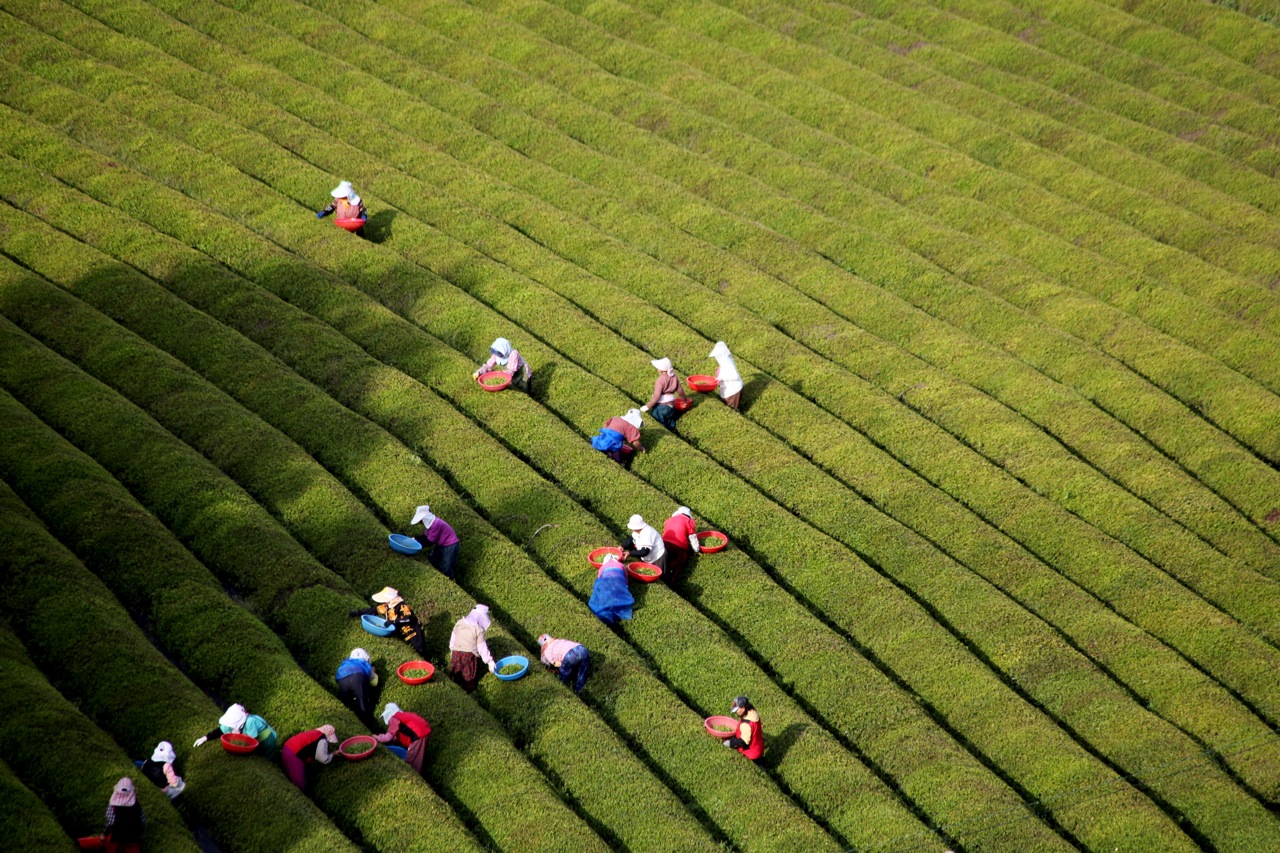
x=683, y=510
x=479, y=616
x=663, y=364
x=544, y=639
x=720, y=350
x=234, y=718
x=329, y=733
x=342, y=190
x=124, y=795
x=390, y=711
x=502, y=349
x=386, y=595
x=633, y=417
x=424, y=515
x=359, y=654
x=635, y=522
x=354, y=199
x=164, y=753
x=610, y=560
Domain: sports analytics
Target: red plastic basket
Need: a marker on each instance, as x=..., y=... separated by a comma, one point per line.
x=700, y=382
x=682, y=404
x=415, y=664
x=352, y=741
x=596, y=557
x=632, y=569
x=707, y=534
x=349, y=224
x=494, y=374
x=239, y=744
x=711, y=722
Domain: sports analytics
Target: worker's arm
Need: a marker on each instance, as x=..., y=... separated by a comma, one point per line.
x=330, y=209
x=743, y=739
x=368, y=611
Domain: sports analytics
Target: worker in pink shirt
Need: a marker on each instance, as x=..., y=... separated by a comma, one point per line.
x=570, y=659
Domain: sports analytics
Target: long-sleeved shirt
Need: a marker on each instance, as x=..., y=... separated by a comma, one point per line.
x=469, y=637
x=554, y=650
x=665, y=389
x=648, y=544
x=630, y=434
x=515, y=362
x=440, y=533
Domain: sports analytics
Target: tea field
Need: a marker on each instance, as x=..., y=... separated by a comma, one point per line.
x=1003, y=495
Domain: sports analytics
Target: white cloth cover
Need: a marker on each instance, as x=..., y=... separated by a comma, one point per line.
x=386, y=595
x=663, y=364
x=164, y=753
x=342, y=190
x=634, y=418
x=360, y=654
x=234, y=717
x=388, y=712
x=424, y=515
x=730, y=379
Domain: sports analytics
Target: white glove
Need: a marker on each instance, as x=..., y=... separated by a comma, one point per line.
x=492, y=668
x=199, y=741
x=476, y=375
x=725, y=742
x=644, y=408
x=373, y=680
x=695, y=544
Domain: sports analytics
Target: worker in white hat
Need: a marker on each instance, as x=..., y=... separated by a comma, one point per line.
x=644, y=543
x=503, y=356
x=390, y=606
x=347, y=205
x=468, y=648
x=236, y=720
x=730, y=381
x=666, y=391
x=440, y=538
x=619, y=438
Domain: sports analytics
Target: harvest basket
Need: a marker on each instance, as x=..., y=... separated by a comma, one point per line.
x=348, y=746
x=712, y=534
x=644, y=572
x=405, y=667
x=716, y=726
x=404, y=544
x=596, y=557
x=494, y=380
x=511, y=660
x=239, y=744
x=702, y=383
x=349, y=224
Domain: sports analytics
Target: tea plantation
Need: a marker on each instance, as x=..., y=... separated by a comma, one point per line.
x=1002, y=496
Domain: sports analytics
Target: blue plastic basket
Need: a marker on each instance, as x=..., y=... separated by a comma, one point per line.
x=404, y=544
x=507, y=661
x=399, y=752
x=377, y=626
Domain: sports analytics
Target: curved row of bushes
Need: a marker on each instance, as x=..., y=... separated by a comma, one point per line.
x=205, y=415
x=27, y=822
x=122, y=682
x=355, y=247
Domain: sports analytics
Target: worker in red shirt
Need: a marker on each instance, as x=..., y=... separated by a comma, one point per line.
x=680, y=535
x=301, y=752
x=406, y=729
x=750, y=737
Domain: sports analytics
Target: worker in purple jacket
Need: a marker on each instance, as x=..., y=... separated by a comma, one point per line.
x=440, y=537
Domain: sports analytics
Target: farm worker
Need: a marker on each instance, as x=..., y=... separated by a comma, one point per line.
x=680, y=536
x=727, y=372
x=237, y=720
x=750, y=738
x=406, y=729
x=502, y=356
x=666, y=388
x=390, y=606
x=356, y=679
x=619, y=438
x=125, y=820
x=644, y=543
x=159, y=769
x=347, y=205
x=300, y=753
x=611, y=600
x=443, y=542
x=467, y=647
x=570, y=659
